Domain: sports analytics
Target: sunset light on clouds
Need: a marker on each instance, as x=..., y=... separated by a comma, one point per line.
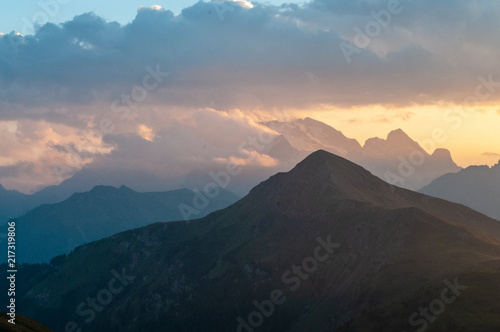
x=88, y=90
x=250, y=165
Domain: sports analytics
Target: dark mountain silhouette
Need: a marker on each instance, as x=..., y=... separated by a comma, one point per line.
x=397, y=159
x=475, y=186
x=324, y=247
x=12, y=204
x=56, y=229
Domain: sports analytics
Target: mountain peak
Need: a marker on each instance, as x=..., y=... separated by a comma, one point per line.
x=103, y=188
x=398, y=135
x=322, y=163
x=322, y=158
x=319, y=177
x=107, y=190
x=313, y=122
x=440, y=152
x=124, y=188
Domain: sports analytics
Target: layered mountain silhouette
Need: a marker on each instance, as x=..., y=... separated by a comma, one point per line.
x=14, y=204
x=475, y=186
x=324, y=247
x=397, y=159
x=55, y=229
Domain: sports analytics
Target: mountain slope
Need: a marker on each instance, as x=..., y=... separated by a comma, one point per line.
x=55, y=229
x=475, y=186
x=324, y=247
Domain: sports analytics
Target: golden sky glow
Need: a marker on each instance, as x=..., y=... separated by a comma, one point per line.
x=469, y=137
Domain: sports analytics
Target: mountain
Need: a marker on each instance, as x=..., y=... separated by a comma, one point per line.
x=402, y=161
x=55, y=229
x=324, y=247
x=475, y=186
x=397, y=159
x=310, y=135
x=12, y=204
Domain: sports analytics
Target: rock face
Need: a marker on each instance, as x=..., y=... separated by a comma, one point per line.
x=475, y=186
x=397, y=159
x=402, y=161
x=324, y=247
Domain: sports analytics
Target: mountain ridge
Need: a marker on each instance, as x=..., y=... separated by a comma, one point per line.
x=394, y=246
x=476, y=186
x=380, y=156
x=98, y=213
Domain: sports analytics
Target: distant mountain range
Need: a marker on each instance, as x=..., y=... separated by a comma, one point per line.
x=14, y=204
x=324, y=247
x=474, y=186
x=397, y=159
x=55, y=229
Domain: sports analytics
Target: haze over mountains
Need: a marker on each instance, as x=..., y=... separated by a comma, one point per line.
x=397, y=159
x=54, y=229
x=474, y=186
x=326, y=246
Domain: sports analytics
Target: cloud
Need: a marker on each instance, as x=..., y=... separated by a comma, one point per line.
x=146, y=133
x=203, y=142
x=258, y=57
x=154, y=7
x=16, y=169
x=155, y=82
x=29, y=150
x=490, y=154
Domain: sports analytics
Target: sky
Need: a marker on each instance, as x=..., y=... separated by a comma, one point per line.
x=22, y=15
x=166, y=86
